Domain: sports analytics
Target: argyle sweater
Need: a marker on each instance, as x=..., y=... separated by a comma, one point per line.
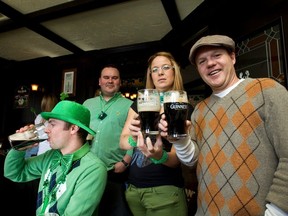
x=243, y=149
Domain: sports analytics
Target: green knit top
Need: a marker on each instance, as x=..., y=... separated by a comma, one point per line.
x=70, y=184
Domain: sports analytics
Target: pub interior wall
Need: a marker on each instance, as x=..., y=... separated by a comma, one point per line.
x=48, y=72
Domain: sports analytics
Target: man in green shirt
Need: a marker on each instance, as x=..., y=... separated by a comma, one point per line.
x=109, y=111
x=72, y=179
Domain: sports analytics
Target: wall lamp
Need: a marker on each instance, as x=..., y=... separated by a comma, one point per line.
x=132, y=96
x=34, y=87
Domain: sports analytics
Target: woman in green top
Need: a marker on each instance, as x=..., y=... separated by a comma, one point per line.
x=72, y=179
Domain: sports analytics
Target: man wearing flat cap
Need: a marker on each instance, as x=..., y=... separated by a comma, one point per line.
x=239, y=137
x=72, y=179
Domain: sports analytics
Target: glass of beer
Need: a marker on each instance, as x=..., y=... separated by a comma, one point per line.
x=34, y=135
x=148, y=105
x=176, y=111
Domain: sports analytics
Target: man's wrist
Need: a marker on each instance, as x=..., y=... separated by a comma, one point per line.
x=125, y=163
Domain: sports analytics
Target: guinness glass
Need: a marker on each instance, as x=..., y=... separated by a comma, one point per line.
x=148, y=105
x=29, y=137
x=176, y=111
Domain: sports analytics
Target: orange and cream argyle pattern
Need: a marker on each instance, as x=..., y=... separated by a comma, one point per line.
x=229, y=166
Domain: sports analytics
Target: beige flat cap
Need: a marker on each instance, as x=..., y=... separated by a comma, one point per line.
x=211, y=40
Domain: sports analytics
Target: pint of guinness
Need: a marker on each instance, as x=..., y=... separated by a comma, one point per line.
x=34, y=135
x=176, y=111
x=148, y=105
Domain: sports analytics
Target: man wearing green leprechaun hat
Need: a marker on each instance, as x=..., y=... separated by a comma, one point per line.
x=72, y=179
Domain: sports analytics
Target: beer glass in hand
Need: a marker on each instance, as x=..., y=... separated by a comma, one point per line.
x=148, y=105
x=176, y=111
x=33, y=135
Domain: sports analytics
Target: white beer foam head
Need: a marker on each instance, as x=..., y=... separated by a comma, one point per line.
x=153, y=107
x=23, y=136
x=148, y=100
x=175, y=96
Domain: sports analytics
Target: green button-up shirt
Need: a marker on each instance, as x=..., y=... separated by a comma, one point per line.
x=105, y=143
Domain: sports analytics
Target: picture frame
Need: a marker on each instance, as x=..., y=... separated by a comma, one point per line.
x=69, y=81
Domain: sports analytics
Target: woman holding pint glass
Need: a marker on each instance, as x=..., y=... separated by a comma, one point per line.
x=155, y=183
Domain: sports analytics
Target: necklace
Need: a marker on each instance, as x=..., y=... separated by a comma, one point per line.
x=104, y=108
x=65, y=164
x=50, y=194
x=161, y=98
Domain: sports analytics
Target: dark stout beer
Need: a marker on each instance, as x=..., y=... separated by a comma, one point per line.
x=17, y=144
x=176, y=115
x=148, y=105
x=149, y=122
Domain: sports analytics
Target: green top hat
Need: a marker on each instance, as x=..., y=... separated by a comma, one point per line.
x=71, y=112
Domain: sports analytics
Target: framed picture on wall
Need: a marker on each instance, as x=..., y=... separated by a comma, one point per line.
x=69, y=81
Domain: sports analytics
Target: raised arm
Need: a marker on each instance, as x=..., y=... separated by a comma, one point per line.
x=130, y=130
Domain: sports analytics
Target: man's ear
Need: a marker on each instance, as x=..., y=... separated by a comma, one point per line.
x=75, y=128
